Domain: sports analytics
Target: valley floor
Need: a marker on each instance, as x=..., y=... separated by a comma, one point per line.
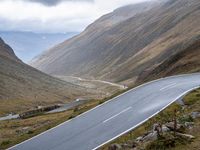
x=16, y=131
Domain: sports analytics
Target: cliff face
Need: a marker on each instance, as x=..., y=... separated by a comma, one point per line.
x=134, y=48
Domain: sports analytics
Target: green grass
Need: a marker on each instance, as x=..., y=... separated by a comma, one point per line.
x=38, y=124
x=10, y=137
x=4, y=143
x=167, y=142
x=192, y=100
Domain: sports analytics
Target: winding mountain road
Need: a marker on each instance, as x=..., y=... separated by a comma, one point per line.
x=114, y=118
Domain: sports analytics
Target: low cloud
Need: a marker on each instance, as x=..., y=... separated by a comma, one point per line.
x=55, y=2
x=54, y=15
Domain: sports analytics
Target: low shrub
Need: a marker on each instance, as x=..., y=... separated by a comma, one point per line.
x=30, y=132
x=5, y=143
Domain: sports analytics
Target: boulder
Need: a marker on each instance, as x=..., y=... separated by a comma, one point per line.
x=195, y=115
x=157, y=127
x=170, y=125
x=188, y=136
x=165, y=128
x=139, y=139
x=180, y=102
x=150, y=137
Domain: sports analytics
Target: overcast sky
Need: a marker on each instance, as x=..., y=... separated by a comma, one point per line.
x=54, y=15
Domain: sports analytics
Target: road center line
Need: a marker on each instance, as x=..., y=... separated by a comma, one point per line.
x=167, y=86
x=117, y=114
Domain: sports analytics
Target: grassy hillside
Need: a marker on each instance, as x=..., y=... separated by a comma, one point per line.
x=132, y=49
x=23, y=87
x=6, y=51
x=184, y=61
x=86, y=52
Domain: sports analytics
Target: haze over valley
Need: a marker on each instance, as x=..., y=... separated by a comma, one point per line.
x=28, y=45
x=76, y=74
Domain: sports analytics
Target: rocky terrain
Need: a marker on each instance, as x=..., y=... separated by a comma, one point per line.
x=175, y=128
x=132, y=49
x=129, y=46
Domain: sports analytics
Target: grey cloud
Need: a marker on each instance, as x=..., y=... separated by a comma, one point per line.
x=20, y=15
x=55, y=2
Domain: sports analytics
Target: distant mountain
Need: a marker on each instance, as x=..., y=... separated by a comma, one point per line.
x=27, y=45
x=132, y=44
x=23, y=87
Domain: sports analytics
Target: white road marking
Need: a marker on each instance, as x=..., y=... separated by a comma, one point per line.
x=178, y=97
x=142, y=85
x=117, y=114
x=167, y=86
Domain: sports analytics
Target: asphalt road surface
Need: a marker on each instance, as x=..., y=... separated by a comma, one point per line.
x=114, y=118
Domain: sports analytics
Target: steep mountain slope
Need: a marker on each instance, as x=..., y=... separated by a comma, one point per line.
x=7, y=51
x=82, y=45
x=137, y=48
x=23, y=87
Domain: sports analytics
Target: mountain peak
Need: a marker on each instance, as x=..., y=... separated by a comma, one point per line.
x=7, y=51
